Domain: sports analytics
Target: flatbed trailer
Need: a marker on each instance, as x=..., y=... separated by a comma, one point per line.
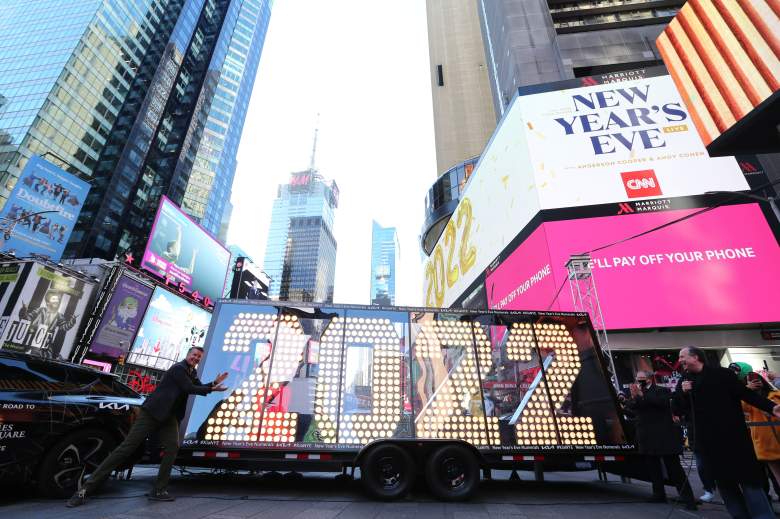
x=402, y=393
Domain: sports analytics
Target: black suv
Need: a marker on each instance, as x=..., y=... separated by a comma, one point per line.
x=58, y=420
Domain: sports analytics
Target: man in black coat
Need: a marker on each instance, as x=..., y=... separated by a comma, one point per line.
x=711, y=398
x=161, y=413
x=659, y=438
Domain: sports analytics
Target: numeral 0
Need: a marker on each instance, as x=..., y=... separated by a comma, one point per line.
x=537, y=424
x=386, y=398
x=443, y=415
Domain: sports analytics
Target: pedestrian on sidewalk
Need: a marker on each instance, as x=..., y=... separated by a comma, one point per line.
x=660, y=438
x=161, y=413
x=711, y=398
x=766, y=438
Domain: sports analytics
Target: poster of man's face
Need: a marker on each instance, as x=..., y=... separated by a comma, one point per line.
x=44, y=316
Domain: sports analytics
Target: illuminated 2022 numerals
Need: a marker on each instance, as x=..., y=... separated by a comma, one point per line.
x=446, y=413
x=386, y=398
x=245, y=415
x=536, y=425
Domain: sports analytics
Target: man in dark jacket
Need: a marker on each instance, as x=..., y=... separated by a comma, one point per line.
x=711, y=398
x=162, y=411
x=659, y=438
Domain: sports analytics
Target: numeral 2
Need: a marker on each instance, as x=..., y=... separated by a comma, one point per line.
x=239, y=417
x=536, y=424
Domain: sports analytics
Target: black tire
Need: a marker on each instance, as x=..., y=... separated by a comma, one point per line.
x=452, y=473
x=387, y=472
x=63, y=464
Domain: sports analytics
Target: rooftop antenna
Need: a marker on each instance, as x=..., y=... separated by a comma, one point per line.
x=314, y=146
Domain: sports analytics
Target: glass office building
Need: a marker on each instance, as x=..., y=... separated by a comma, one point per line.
x=300, y=255
x=142, y=98
x=385, y=259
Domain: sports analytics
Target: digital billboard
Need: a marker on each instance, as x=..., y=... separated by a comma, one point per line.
x=561, y=146
x=121, y=318
x=725, y=60
x=718, y=267
x=42, y=310
x=42, y=209
x=171, y=325
x=180, y=250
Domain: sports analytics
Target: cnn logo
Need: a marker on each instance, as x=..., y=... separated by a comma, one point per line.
x=641, y=183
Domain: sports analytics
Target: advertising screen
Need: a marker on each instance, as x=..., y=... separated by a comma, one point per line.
x=561, y=146
x=42, y=209
x=181, y=250
x=718, y=267
x=121, y=317
x=42, y=310
x=169, y=328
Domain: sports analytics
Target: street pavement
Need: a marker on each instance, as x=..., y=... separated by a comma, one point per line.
x=202, y=494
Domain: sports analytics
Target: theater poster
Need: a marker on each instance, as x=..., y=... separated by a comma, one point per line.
x=43, y=310
x=121, y=318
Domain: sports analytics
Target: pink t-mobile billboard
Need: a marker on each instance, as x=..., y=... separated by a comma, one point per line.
x=718, y=267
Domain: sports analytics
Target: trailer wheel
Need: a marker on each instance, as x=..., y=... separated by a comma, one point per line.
x=452, y=473
x=387, y=472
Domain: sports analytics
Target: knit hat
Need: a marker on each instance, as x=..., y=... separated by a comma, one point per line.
x=741, y=369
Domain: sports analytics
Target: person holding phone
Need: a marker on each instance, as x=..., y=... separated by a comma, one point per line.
x=711, y=398
x=660, y=438
x=161, y=413
x=766, y=438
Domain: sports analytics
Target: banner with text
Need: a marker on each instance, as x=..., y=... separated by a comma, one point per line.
x=718, y=267
x=559, y=147
x=42, y=210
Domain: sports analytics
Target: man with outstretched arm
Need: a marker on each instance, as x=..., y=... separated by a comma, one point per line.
x=162, y=411
x=711, y=398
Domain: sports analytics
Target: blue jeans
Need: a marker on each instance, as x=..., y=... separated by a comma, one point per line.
x=745, y=501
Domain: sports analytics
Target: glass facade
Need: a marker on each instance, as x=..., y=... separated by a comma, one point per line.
x=442, y=199
x=385, y=259
x=143, y=98
x=300, y=255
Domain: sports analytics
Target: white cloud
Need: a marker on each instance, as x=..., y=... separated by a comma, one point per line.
x=161, y=303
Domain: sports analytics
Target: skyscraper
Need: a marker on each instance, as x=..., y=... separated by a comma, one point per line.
x=142, y=98
x=463, y=116
x=300, y=255
x=385, y=259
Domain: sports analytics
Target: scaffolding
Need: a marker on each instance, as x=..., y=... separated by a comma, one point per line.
x=585, y=297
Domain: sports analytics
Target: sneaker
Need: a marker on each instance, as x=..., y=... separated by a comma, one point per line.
x=160, y=495
x=707, y=497
x=77, y=499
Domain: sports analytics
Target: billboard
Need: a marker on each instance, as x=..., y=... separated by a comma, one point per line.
x=121, y=318
x=180, y=250
x=169, y=328
x=42, y=309
x=725, y=60
x=42, y=210
x=562, y=146
x=718, y=267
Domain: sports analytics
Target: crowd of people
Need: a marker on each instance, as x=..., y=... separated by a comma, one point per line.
x=730, y=417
